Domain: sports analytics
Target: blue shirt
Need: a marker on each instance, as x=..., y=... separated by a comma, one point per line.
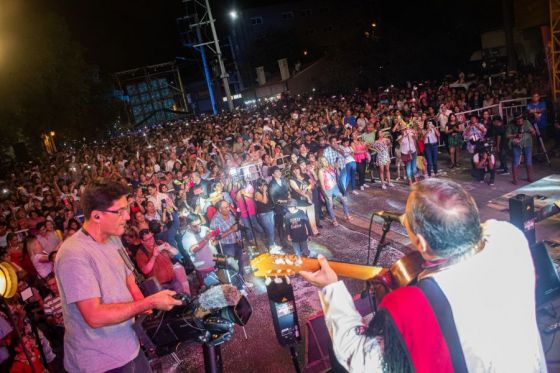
x=541, y=122
x=351, y=120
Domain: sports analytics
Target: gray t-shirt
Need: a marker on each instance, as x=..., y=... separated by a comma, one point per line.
x=86, y=269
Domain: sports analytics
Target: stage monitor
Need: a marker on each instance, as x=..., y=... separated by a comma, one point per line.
x=548, y=281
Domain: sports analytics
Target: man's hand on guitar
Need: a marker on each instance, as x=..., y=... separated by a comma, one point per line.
x=323, y=277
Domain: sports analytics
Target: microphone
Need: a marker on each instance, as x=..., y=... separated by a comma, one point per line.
x=389, y=215
x=219, y=296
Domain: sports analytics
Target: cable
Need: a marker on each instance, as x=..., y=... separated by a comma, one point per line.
x=159, y=325
x=551, y=343
x=369, y=237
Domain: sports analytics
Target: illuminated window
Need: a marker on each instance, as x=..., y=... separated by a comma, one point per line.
x=256, y=21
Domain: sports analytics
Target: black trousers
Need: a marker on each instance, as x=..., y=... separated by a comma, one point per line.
x=279, y=212
x=502, y=156
x=479, y=173
x=361, y=170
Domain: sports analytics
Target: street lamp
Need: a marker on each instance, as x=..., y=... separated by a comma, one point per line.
x=233, y=14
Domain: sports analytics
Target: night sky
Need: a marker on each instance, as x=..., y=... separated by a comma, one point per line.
x=123, y=34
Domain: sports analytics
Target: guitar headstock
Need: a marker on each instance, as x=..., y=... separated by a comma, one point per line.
x=277, y=265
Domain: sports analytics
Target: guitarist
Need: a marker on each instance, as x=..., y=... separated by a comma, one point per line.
x=469, y=312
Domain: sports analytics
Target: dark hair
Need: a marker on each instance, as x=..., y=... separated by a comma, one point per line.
x=39, y=225
x=154, y=226
x=70, y=221
x=260, y=183
x=295, y=167
x=445, y=215
x=101, y=194
x=10, y=236
x=143, y=232
x=192, y=217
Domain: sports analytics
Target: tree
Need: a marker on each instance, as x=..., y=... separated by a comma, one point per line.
x=45, y=84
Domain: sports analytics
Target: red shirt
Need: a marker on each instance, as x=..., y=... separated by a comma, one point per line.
x=162, y=269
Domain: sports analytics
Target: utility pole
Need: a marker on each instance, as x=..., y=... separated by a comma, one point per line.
x=218, y=51
x=197, y=41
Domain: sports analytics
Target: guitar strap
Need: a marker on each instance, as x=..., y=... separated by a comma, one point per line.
x=419, y=330
x=444, y=315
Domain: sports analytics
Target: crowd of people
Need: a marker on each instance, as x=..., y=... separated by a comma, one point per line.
x=269, y=178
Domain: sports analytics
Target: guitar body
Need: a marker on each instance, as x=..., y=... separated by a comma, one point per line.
x=406, y=269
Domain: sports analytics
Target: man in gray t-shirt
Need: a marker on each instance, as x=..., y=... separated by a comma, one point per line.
x=99, y=294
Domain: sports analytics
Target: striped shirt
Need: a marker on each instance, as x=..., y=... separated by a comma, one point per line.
x=333, y=157
x=53, y=307
x=223, y=224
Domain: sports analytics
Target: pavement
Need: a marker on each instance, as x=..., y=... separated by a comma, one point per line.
x=260, y=351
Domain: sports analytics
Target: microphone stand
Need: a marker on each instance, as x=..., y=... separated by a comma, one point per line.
x=250, y=224
x=386, y=227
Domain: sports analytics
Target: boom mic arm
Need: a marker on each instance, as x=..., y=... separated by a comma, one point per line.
x=389, y=216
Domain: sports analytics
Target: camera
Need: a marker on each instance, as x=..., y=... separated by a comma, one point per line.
x=208, y=318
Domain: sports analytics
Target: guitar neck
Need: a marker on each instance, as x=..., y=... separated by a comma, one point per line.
x=355, y=271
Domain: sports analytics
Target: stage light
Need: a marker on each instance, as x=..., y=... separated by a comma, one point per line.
x=233, y=14
x=8, y=280
x=374, y=25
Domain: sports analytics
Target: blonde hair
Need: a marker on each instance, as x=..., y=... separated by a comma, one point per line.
x=322, y=162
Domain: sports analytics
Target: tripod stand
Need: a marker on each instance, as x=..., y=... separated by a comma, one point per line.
x=541, y=142
x=212, y=358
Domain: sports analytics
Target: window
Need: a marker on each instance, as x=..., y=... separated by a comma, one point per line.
x=287, y=16
x=305, y=12
x=256, y=21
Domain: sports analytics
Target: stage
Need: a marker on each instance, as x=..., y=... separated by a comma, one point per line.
x=260, y=352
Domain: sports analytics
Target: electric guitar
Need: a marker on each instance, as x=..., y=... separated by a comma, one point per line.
x=402, y=272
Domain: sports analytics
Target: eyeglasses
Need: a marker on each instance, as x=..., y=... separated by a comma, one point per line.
x=120, y=212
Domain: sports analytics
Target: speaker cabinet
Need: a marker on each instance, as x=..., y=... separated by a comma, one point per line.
x=522, y=215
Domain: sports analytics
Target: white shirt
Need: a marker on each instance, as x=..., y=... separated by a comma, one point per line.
x=407, y=142
x=156, y=200
x=491, y=295
x=431, y=137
